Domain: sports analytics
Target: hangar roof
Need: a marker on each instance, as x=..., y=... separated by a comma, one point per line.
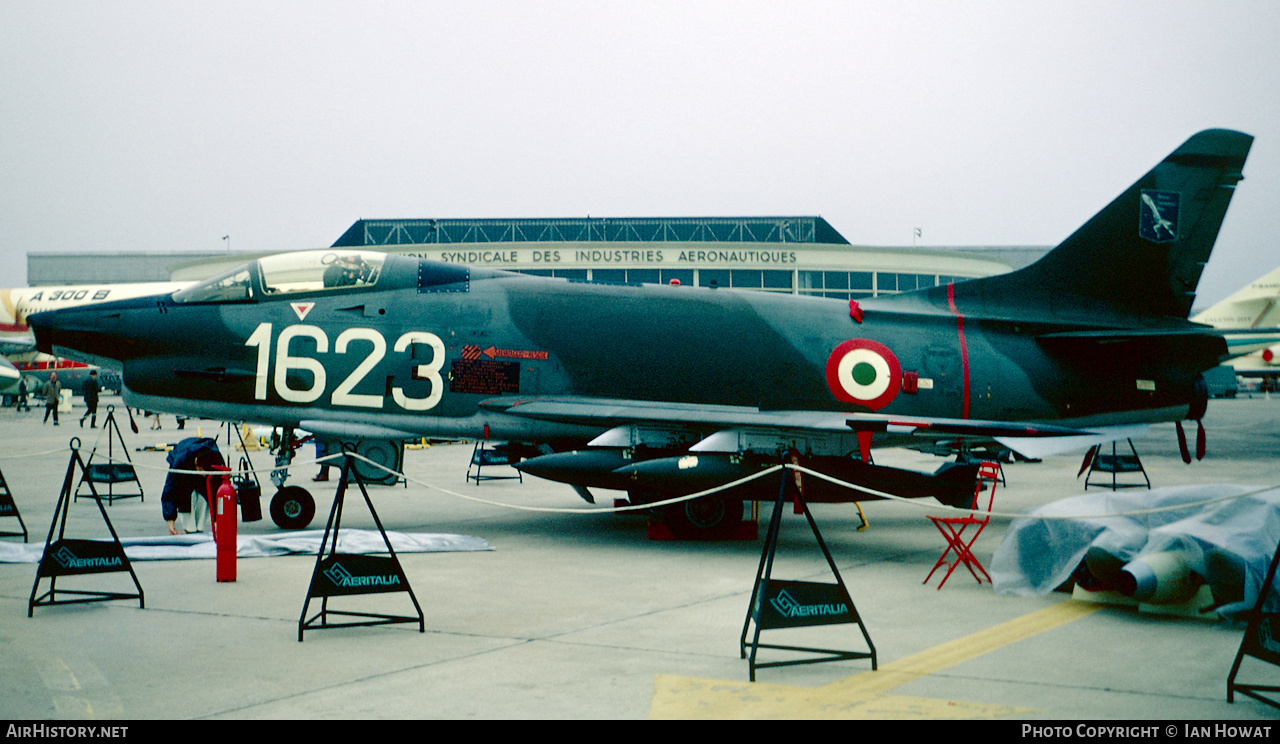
x=594, y=229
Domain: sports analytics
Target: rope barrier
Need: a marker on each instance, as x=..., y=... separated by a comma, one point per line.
x=35, y=454
x=916, y=503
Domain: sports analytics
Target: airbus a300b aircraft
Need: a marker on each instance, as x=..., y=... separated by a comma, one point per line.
x=664, y=390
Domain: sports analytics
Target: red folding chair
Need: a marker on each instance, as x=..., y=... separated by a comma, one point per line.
x=954, y=529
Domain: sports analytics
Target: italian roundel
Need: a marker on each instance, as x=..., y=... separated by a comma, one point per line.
x=864, y=372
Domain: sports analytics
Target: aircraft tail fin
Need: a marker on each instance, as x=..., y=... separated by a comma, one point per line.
x=1143, y=254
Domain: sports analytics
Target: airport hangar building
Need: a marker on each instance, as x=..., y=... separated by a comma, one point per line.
x=798, y=255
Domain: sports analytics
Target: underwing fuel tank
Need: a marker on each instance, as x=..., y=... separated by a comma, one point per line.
x=951, y=484
x=589, y=468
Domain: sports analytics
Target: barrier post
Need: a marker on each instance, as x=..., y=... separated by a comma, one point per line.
x=65, y=556
x=339, y=574
x=1260, y=642
x=110, y=473
x=779, y=604
x=9, y=508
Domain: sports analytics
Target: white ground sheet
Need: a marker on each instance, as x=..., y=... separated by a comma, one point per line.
x=186, y=547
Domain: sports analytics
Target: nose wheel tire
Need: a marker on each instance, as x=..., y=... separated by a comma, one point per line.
x=292, y=508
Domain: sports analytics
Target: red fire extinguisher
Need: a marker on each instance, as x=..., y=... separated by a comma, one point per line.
x=224, y=527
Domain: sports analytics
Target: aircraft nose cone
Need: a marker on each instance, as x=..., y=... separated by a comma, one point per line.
x=83, y=333
x=41, y=324
x=580, y=467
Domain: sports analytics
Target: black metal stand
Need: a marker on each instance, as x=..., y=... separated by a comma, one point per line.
x=71, y=557
x=342, y=574
x=779, y=604
x=1261, y=641
x=1116, y=463
x=483, y=457
x=9, y=508
x=110, y=472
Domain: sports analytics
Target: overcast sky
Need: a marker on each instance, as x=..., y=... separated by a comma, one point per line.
x=163, y=126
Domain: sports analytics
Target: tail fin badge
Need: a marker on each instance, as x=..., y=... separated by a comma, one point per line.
x=1158, y=215
x=864, y=372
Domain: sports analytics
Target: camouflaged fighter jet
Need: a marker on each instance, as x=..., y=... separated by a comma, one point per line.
x=664, y=390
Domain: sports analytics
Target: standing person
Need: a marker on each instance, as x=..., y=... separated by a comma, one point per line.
x=52, y=392
x=91, y=389
x=23, y=403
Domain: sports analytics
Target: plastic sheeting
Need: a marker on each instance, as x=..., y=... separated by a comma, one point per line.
x=1229, y=544
x=307, y=542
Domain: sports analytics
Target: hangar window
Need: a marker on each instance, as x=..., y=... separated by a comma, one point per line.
x=570, y=274
x=838, y=280
x=684, y=276
x=840, y=285
x=643, y=276
x=886, y=282
x=713, y=277
x=775, y=279
x=229, y=287
x=609, y=276
x=908, y=282
x=311, y=271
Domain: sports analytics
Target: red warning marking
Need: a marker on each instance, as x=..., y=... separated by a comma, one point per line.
x=493, y=353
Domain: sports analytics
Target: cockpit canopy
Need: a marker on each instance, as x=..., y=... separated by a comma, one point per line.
x=301, y=271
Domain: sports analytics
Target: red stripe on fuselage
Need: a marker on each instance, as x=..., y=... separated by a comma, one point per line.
x=964, y=348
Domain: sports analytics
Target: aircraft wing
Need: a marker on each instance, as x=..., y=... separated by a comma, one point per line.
x=608, y=412
x=1240, y=343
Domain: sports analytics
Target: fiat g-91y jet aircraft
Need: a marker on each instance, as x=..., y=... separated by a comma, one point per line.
x=667, y=390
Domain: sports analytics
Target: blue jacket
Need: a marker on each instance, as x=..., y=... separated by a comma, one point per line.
x=178, y=486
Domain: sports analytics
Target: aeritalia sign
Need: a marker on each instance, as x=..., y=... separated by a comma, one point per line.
x=358, y=574
x=793, y=604
x=72, y=557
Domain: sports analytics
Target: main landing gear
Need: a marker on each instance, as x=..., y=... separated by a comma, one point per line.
x=293, y=507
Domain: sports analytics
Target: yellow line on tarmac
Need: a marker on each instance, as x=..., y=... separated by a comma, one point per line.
x=862, y=695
